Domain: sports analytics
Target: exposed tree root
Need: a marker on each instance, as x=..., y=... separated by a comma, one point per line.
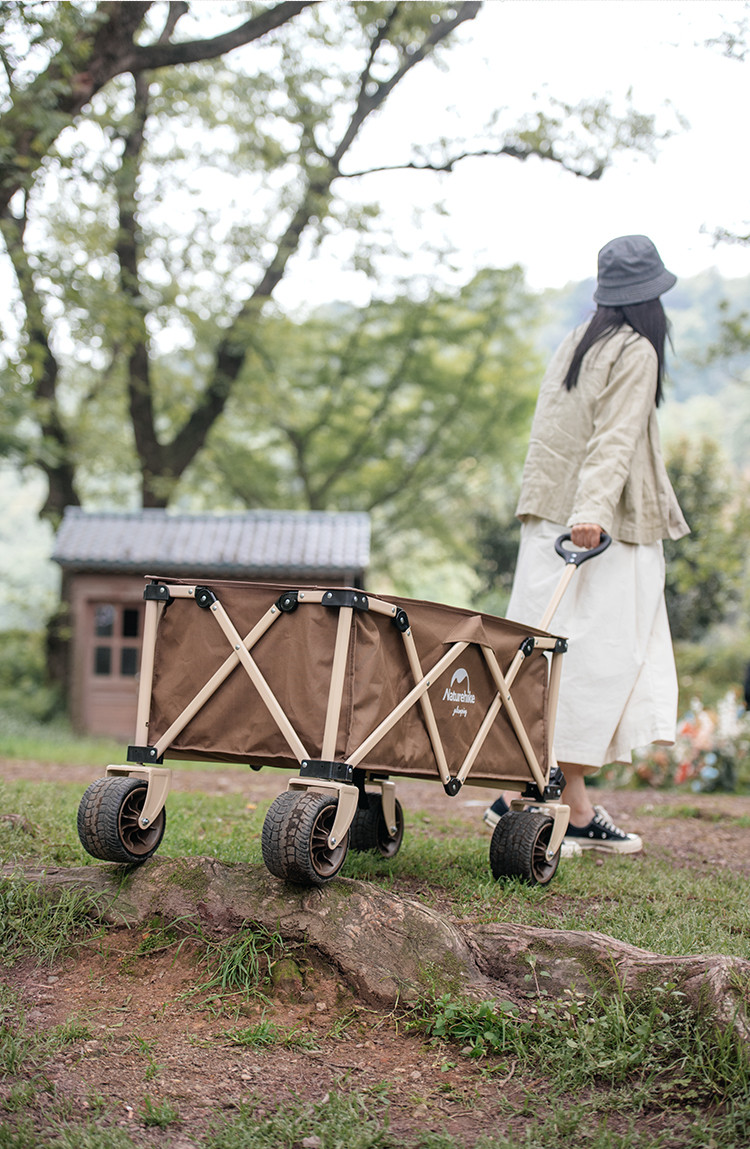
x=393, y=949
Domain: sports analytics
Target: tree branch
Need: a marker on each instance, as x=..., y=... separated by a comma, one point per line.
x=127, y=250
x=177, y=8
x=163, y=55
x=232, y=351
x=368, y=102
x=54, y=455
x=512, y=150
x=103, y=48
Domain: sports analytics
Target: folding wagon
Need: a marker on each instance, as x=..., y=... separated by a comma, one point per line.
x=351, y=690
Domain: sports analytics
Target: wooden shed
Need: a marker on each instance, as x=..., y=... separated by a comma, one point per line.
x=106, y=556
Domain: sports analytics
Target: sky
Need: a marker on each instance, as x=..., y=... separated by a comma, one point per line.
x=500, y=211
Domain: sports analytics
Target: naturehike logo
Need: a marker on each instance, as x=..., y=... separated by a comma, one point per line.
x=462, y=694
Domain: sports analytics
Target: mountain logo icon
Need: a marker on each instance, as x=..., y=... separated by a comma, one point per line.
x=460, y=688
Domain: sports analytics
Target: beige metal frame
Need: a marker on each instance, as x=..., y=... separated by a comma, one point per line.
x=159, y=777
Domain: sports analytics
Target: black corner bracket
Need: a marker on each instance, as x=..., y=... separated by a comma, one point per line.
x=144, y=754
x=329, y=771
x=552, y=792
x=452, y=787
x=351, y=598
x=156, y=592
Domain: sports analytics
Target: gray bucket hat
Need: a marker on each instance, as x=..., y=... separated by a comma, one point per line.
x=631, y=271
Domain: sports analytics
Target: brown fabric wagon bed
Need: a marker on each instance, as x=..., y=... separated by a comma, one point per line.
x=353, y=690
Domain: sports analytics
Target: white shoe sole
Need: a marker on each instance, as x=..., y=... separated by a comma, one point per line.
x=633, y=846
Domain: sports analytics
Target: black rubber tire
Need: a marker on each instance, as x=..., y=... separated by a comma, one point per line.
x=295, y=838
x=108, y=821
x=518, y=848
x=368, y=831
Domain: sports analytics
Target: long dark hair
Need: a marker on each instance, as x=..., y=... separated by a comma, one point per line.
x=647, y=319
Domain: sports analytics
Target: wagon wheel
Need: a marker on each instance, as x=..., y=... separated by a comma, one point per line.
x=518, y=848
x=295, y=838
x=368, y=831
x=108, y=821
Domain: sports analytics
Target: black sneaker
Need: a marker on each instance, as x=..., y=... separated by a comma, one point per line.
x=602, y=834
x=494, y=813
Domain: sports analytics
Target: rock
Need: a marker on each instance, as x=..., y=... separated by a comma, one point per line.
x=286, y=979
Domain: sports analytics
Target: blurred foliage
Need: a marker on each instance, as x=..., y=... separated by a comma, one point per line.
x=709, y=669
x=404, y=409
x=497, y=539
x=706, y=570
x=24, y=689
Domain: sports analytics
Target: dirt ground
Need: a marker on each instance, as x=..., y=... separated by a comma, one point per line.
x=142, y=1039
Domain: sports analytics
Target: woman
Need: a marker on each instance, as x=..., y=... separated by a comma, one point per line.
x=594, y=464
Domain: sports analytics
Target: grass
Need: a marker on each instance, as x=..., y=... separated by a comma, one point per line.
x=264, y=1034
x=351, y=1120
x=361, y=1120
x=23, y=738
x=159, y=1113
x=43, y=927
x=240, y=967
x=623, y=1060
x=24, y=1050
x=651, y=1043
x=645, y=901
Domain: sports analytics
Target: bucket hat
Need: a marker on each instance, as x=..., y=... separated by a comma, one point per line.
x=631, y=271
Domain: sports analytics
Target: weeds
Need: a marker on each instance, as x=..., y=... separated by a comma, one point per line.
x=353, y=1120
x=147, y=1048
x=45, y=927
x=242, y=965
x=159, y=1113
x=264, y=1034
x=653, y=1041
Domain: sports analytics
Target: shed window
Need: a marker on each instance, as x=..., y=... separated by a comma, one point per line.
x=104, y=621
x=116, y=650
x=130, y=622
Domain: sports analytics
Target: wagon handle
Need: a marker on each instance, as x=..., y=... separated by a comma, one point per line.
x=578, y=557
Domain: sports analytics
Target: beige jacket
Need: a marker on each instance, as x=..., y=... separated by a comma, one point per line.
x=595, y=454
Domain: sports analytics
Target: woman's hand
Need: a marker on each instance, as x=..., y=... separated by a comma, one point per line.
x=586, y=535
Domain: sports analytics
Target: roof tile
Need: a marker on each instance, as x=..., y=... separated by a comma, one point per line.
x=250, y=544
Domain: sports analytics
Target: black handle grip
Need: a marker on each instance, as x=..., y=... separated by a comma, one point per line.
x=578, y=557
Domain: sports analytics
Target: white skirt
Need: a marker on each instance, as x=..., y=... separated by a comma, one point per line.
x=619, y=683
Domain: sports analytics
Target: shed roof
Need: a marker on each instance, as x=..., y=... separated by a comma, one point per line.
x=253, y=544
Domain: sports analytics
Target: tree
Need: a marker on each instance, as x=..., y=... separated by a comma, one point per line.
x=401, y=409
x=114, y=267
x=498, y=539
x=706, y=567
x=89, y=45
